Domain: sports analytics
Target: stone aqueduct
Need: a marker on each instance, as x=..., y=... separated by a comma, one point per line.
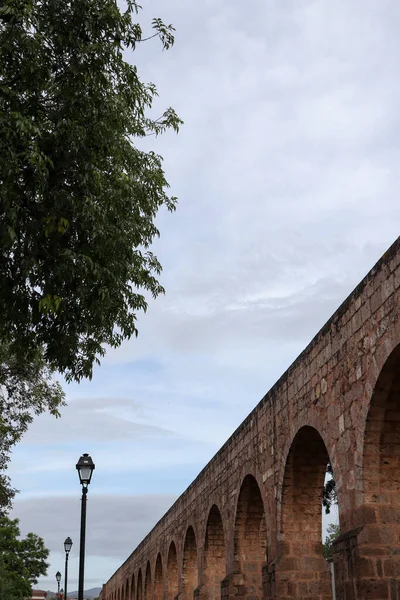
x=249, y=526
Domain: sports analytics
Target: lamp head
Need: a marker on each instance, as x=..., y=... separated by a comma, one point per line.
x=85, y=467
x=68, y=545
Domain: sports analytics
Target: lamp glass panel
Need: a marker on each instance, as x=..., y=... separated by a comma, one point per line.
x=84, y=473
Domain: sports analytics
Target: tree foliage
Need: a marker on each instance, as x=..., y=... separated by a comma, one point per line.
x=78, y=197
x=333, y=532
x=26, y=389
x=22, y=561
x=329, y=495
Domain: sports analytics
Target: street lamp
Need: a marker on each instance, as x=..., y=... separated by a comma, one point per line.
x=85, y=467
x=58, y=578
x=67, y=548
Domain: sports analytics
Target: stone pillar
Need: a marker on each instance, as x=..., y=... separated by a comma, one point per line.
x=367, y=564
x=301, y=576
x=201, y=593
x=233, y=586
x=268, y=581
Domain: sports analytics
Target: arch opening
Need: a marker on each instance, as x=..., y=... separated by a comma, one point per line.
x=158, y=579
x=306, y=572
x=147, y=582
x=133, y=587
x=250, y=538
x=127, y=590
x=214, y=554
x=189, y=564
x=172, y=572
x=381, y=467
x=139, y=590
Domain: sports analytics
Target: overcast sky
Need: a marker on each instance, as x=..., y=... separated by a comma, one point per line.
x=286, y=175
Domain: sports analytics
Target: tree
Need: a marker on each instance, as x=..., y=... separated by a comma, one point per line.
x=22, y=561
x=329, y=495
x=26, y=389
x=333, y=532
x=78, y=198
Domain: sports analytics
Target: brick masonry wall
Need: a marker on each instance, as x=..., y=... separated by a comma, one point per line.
x=265, y=483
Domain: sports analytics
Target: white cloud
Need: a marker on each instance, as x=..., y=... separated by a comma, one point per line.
x=115, y=526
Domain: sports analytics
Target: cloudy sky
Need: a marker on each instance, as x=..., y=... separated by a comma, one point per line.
x=286, y=175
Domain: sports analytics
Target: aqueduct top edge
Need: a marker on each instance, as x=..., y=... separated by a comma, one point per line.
x=384, y=261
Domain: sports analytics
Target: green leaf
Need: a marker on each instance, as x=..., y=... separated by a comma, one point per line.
x=79, y=199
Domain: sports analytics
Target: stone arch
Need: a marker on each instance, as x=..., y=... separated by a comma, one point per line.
x=133, y=587
x=189, y=564
x=303, y=572
x=214, y=554
x=381, y=467
x=127, y=590
x=250, y=537
x=158, y=579
x=147, y=583
x=172, y=572
x=139, y=586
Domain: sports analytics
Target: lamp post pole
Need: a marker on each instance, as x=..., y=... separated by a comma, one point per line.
x=82, y=544
x=85, y=467
x=67, y=548
x=58, y=578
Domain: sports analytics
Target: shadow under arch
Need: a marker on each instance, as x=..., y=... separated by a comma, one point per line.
x=127, y=590
x=381, y=471
x=133, y=587
x=301, y=569
x=189, y=564
x=158, y=579
x=172, y=572
x=214, y=554
x=147, y=583
x=139, y=587
x=250, y=537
